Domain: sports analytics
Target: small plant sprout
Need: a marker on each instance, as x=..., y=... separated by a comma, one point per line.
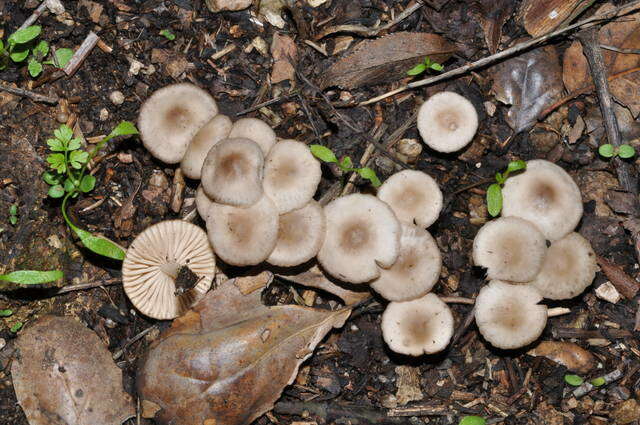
x=15, y=328
x=22, y=45
x=29, y=277
x=423, y=66
x=13, y=214
x=472, y=420
x=598, y=382
x=573, y=380
x=6, y=313
x=326, y=155
x=623, y=151
x=494, y=192
x=168, y=35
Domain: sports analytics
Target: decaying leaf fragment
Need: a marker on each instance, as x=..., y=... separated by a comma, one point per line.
x=568, y=354
x=227, y=360
x=543, y=16
x=63, y=374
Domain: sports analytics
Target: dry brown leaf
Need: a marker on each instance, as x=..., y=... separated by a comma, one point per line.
x=386, y=59
x=568, y=354
x=63, y=374
x=543, y=16
x=227, y=360
x=624, y=283
x=283, y=50
x=492, y=15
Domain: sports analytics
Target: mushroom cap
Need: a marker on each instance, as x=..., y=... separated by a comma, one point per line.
x=232, y=172
x=214, y=131
x=422, y=326
x=362, y=231
x=509, y=316
x=256, y=130
x=153, y=260
x=546, y=195
x=414, y=196
x=203, y=203
x=510, y=248
x=300, y=235
x=243, y=236
x=170, y=118
x=568, y=269
x=416, y=270
x=291, y=175
x=447, y=121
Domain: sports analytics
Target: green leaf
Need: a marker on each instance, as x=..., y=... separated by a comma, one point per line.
x=13, y=220
x=13, y=209
x=25, y=35
x=32, y=277
x=68, y=185
x=598, y=382
x=6, y=313
x=436, y=66
x=500, y=179
x=168, y=35
x=51, y=179
x=573, y=380
x=346, y=164
x=125, y=128
x=56, y=145
x=323, y=153
x=1, y=46
x=64, y=133
x=57, y=162
x=15, y=328
x=78, y=159
x=35, y=68
x=473, y=420
x=63, y=56
x=99, y=245
x=20, y=54
x=494, y=199
x=417, y=70
x=88, y=183
x=56, y=191
x=626, y=151
x=74, y=144
x=369, y=174
x=607, y=150
x=516, y=166
x=41, y=50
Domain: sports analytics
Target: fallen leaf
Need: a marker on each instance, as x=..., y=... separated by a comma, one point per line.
x=568, y=354
x=624, y=283
x=221, y=5
x=492, y=15
x=386, y=59
x=63, y=374
x=214, y=365
x=543, y=16
x=283, y=50
x=408, y=383
x=271, y=10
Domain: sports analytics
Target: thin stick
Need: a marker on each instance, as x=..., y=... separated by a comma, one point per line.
x=267, y=103
x=81, y=54
x=34, y=16
x=90, y=285
x=126, y=345
x=619, y=50
x=458, y=300
x=558, y=311
x=36, y=97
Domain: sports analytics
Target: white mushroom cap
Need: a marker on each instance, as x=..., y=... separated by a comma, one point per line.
x=568, y=269
x=362, y=231
x=170, y=118
x=546, y=195
x=300, y=236
x=509, y=316
x=510, y=248
x=243, y=236
x=416, y=270
x=414, y=196
x=232, y=172
x=214, y=131
x=291, y=175
x=203, y=203
x=447, y=122
x=422, y=326
x=256, y=130
x=153, y=261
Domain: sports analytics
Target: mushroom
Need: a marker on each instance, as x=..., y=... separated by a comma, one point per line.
x=546, y=195
x=362, y=232
x=447, y=122
x=214, y=131
x=243, y=236
x=510, y=248
x=509, y=316
x=414, y=196
x=203, y=203
x=300, y=235
x=422, y=326
x=416, y=270
x=568, y=269
x=170, y=118
x=154, y=261
x=232, y=172
x=291, y=175
x=256, y=130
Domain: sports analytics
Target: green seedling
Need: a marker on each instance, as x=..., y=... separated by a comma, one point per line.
x=15, y=328
x=473, y=420
x=623, y=151
x=326, y=155
x=69, y=178
x=168, y=35
x=6, y=313
x=30, y=277
x=423, y=66
x=598, y=382
x=13, y=214
x=494, y=192
x=573, y=380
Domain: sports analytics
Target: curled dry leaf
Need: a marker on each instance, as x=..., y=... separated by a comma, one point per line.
x=543, y=16
x=568, y=354
x=283, y=50
x=227, y=360
x=63, y=374
x=624, y=283
x=492, y=15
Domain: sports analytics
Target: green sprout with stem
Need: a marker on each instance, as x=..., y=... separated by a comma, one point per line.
x=13, y=214
x=325, y=154
x=29, y=277
x=576, y=381
x=622, y=151
x=423, y=66
x=494, y=192
x=473, y=420
x=168, y=34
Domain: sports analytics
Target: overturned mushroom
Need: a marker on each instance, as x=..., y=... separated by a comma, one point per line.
x=256, y=130
x=214, y=131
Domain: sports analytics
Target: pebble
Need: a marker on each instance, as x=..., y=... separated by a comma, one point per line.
x=116, y=97
x=104, y=114
x=62, y=117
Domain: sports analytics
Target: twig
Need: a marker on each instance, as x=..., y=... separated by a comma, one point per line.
x=81, y=54
x=587, y=386
x=334, y=412
x=121, y=351
x=90, y=285
x=36, y=97
x=590, y=334
x=458, y=300
x=34, y=16
x=619, y=50
x=267, y=103
x=420, y=410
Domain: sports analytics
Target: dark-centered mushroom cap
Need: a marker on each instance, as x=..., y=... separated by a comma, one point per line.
x=256, y=130
x=214, y=131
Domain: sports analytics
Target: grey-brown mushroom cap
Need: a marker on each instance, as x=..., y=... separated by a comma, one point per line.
x=416, y=270
x=211, y=133
x=232, y=172
x=413, y=196
x=509, y=316
x=243, y=236
x=152, y=263
x=203, y=203
x=447, y=122
x=568, y=269
x=362, y=231
x=256, y=130
x=170, y=118
x=510, y=248
x=547, y=196
x=421, y=326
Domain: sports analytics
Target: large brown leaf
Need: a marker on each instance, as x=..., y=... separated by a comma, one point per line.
x=64, y=375
x=228, y=359
x=543, y=16
x=386, y=59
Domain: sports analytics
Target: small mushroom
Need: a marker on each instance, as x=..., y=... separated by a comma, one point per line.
x=203, y=203
x=510, y=248
x=362, y=233
x=243, y=236
x=214, y=131
x=416, y=270
x=300, y=236
x=547, y=196
x=232, y=172
x=568, y=269
x=154, y=261
x=291, y=175
x=413, y=196
x=422, y=326
x=447, y=122
x=256, y=130
x=170, y=118
x=509, y=316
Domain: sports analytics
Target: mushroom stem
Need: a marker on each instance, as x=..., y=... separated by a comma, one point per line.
x=557, y=311
x=171, y=269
